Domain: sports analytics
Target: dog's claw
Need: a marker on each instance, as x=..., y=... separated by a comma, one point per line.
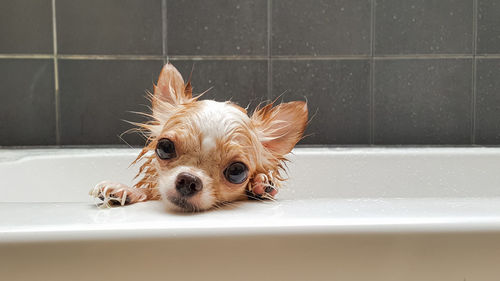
x=261, y=188
x=116, y=194
x=111, y=194
x=269, y=189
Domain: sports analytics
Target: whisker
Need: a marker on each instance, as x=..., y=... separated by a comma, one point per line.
x=120, y=136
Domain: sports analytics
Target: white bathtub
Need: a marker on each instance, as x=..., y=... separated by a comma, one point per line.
x=346, y=214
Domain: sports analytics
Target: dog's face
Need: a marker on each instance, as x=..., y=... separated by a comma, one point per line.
x=206, y=152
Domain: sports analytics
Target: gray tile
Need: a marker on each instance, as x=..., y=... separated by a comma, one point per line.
x=488, y=27
x=488, y=101
x=26, y=26
x=423, y=27
x=27, y=110
x=241, y=81
x=339, y=27
x=222, y=27
x=109, y=27
x=97, y=95
x=422, y=101
x=337, y=93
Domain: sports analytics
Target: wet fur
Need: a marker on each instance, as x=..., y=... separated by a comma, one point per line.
x=208, y=136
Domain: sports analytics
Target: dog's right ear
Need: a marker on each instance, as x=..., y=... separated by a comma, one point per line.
x=279, y=128
x=171, y=88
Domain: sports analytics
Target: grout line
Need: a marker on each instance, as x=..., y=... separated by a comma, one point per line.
x=372, y=75
x=474, y=70
x=164, y=30
x=423, y=56
x=56, y=75
x=372, y=102
x=110, y=57
x=269, y=46
x=372, y=28
x=473, y=101
x=486, y=56
x=26, y=56
x=218, y=57
x=256, y=57
x=340, y=57
x=474, y=26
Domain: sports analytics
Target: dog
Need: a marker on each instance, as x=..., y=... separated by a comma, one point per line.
x=202, y=154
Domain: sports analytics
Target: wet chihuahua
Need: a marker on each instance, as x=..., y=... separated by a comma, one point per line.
x=202, y=153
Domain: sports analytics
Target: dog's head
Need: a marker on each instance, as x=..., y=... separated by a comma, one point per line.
x=206, y=152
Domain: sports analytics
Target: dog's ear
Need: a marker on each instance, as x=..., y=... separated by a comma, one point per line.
x=171, y=88
x=279, y=128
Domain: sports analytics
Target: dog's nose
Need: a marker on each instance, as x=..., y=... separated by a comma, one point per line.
x=188, y=184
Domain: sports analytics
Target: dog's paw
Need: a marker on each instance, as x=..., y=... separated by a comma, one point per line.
x=116, y=194
x=261, y=188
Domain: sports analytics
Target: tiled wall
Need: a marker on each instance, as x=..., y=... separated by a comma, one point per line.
x=375, y=72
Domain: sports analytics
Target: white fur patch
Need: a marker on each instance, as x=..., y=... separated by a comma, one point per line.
x=208, y=144
x=218, y=119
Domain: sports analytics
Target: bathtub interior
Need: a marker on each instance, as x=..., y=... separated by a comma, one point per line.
x=45, y=195
x=66, y=175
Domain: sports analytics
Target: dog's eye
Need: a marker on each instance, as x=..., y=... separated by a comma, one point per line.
x=236, y=173
x=165, y=149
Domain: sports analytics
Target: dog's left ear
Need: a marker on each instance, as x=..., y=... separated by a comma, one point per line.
x=279, y=128
x=170, y=87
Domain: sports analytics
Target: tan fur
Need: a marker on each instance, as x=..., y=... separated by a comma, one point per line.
x=260, y=141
